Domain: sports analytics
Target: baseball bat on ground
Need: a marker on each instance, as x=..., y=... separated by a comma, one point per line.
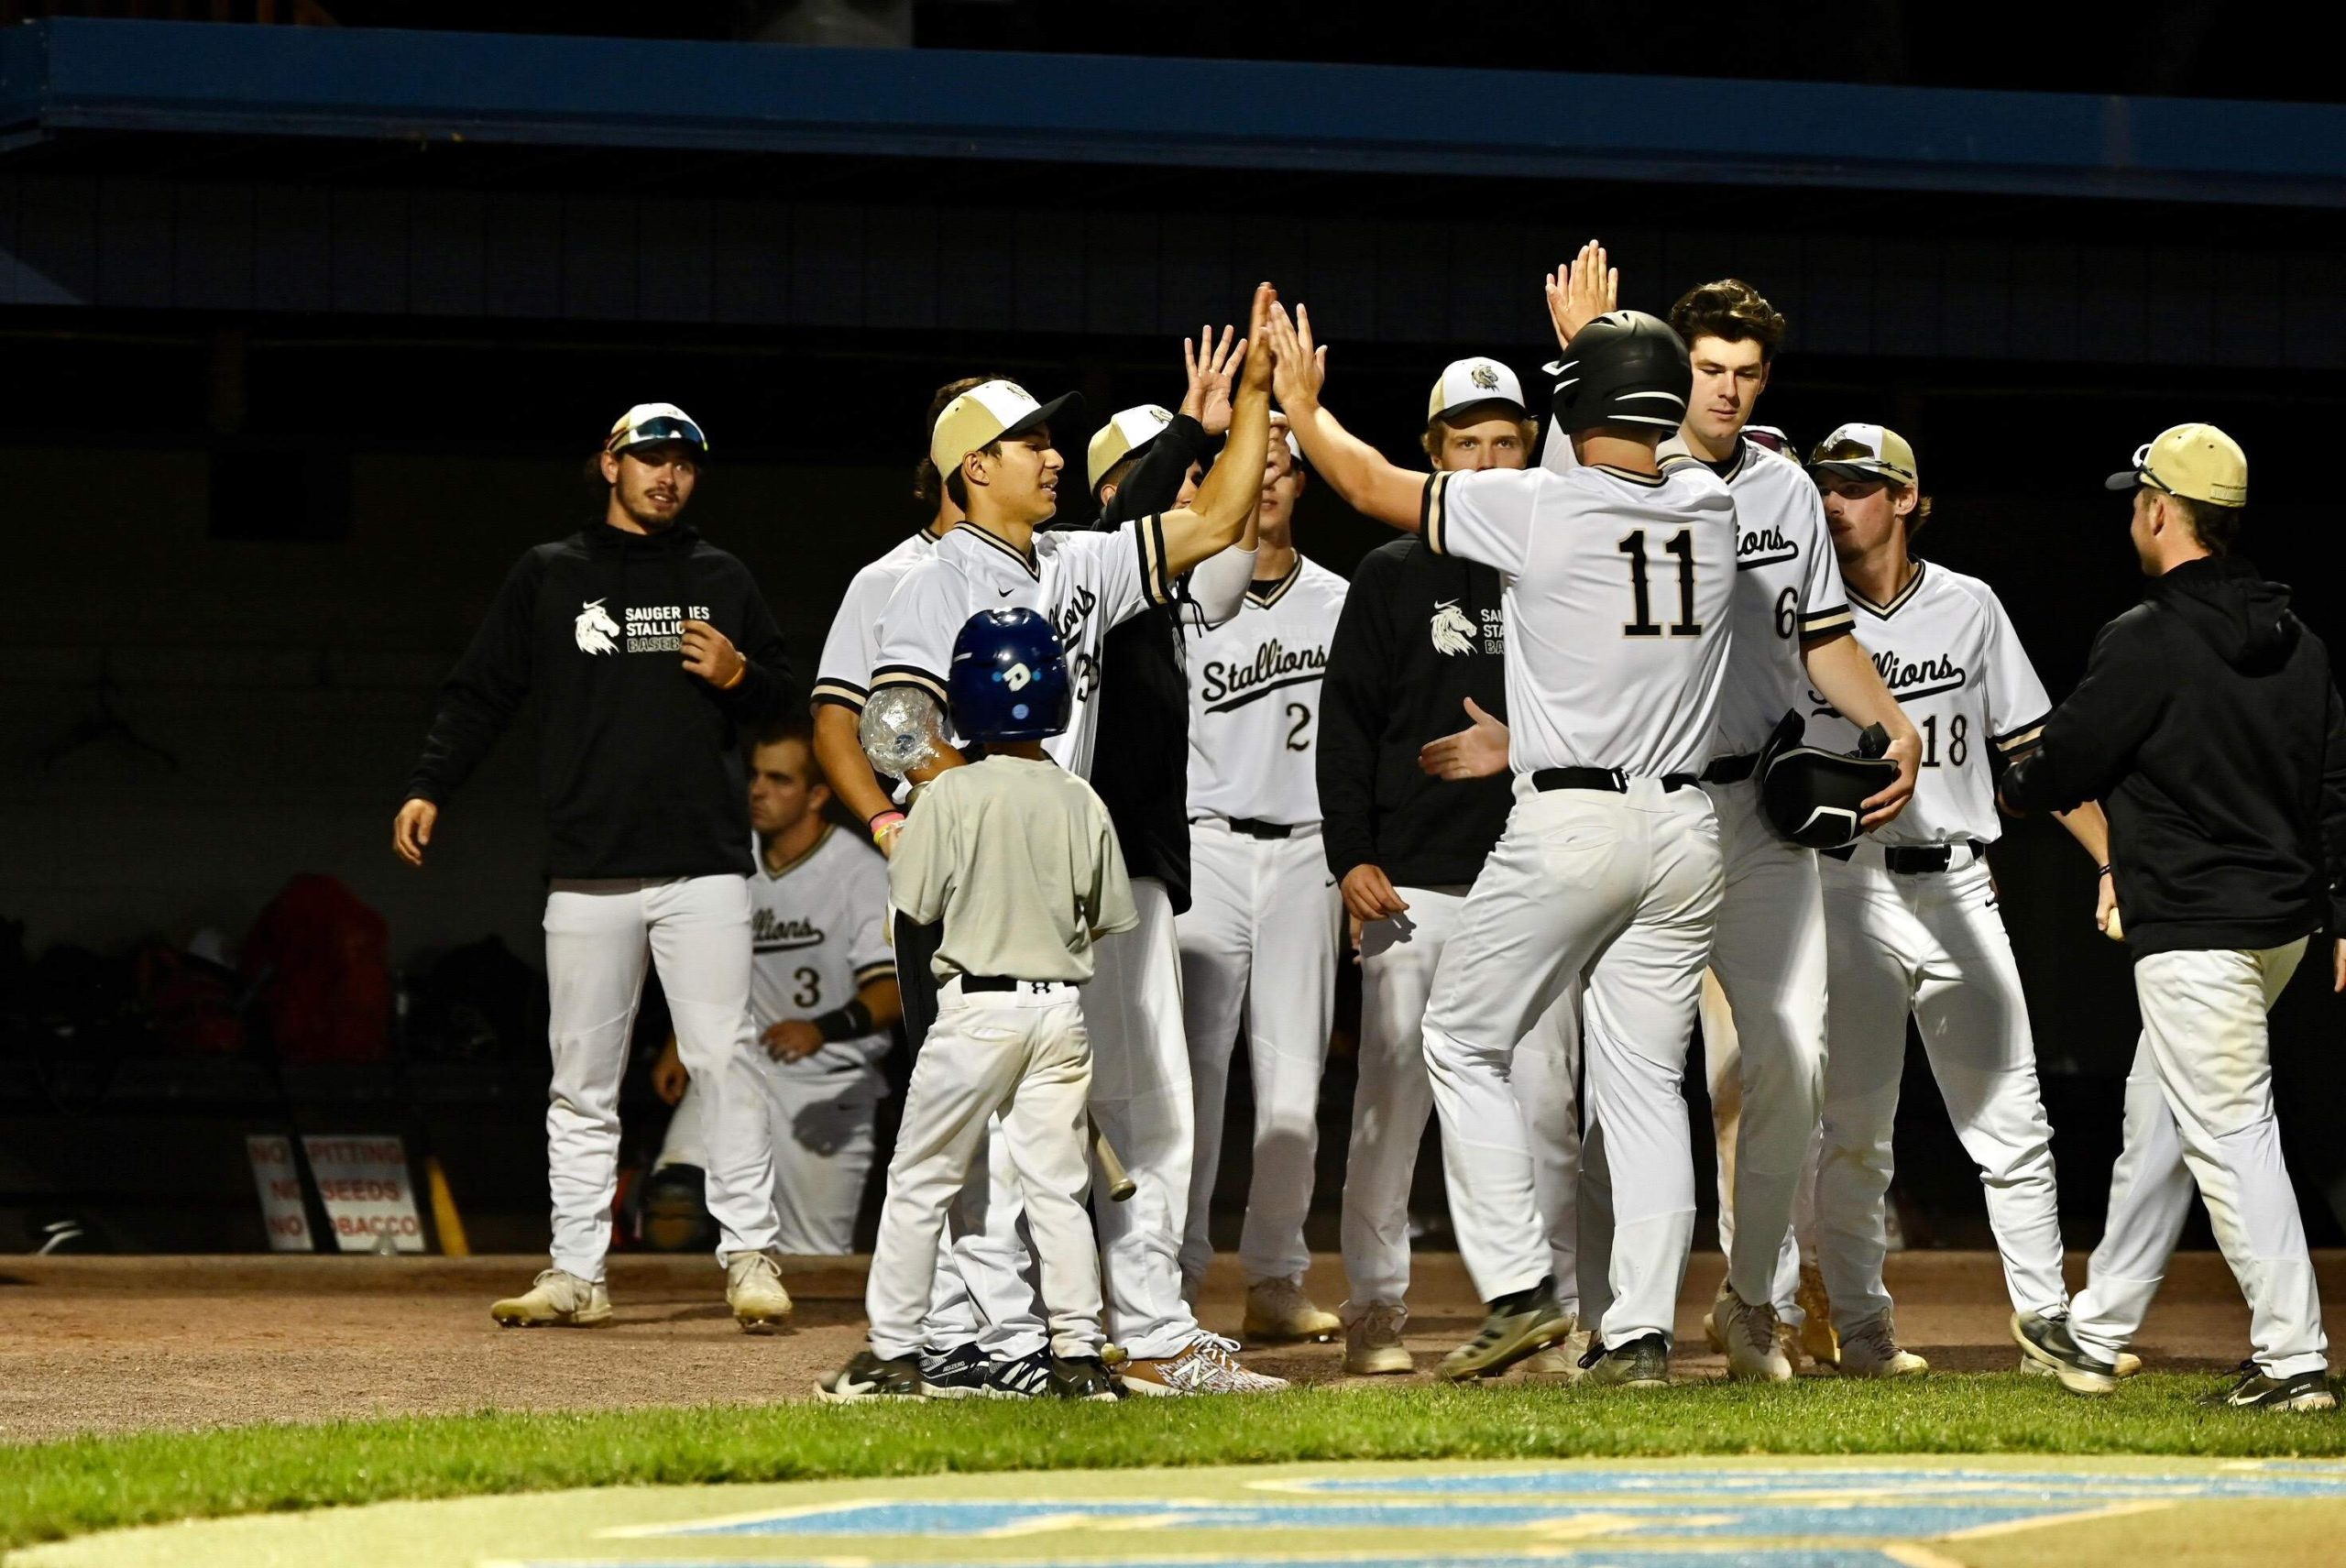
x=1120, y=1180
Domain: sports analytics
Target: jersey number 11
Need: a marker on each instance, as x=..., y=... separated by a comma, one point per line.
x=1681, y=544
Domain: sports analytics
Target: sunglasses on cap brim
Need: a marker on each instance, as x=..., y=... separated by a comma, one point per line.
x=654, y=431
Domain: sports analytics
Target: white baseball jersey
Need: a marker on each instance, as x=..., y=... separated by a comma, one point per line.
x=1787, y=587
x=1083, y=583
x=843, y=676
x=818, y=933
x=1254, y=699
x=1949, y=654
x=1619, y=593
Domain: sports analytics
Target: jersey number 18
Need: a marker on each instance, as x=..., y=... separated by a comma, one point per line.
x=1681, y=544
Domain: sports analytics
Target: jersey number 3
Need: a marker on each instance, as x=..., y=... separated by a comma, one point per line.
x=1681, y=544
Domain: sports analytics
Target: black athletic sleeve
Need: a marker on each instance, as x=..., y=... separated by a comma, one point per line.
x=2090, y=739
x=489, y=685
x=1155, y=480
x=2333, y=814
x=767, y=687
x=1356, y=695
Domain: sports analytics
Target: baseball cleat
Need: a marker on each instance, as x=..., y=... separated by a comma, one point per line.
x=2127, y=1365
x=956, y=1373
x=753, y=1289
x=1084, y=1378
x=1020, y=1377
x=2048, y=1341
x=1518, y=1326
x=1818, y=1340
x=1643, y=1362
x=1748, y=1335
x=1207, y=1366
x=1373, y=1344
x=1277, y=1311
x=2257, y=1389
x=1870, y=1350
x=1559, y=1361
x=555, y=1300
x=871, y=1376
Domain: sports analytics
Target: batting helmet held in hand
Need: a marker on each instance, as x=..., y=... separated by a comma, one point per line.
x=1816, y=797
x=1623, y=368
x=1009, y=679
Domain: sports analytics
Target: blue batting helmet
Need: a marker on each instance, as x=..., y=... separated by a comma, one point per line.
x=1009, y=677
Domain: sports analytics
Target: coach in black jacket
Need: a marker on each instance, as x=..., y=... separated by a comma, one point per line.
x=647, y=652
x=2209, y=727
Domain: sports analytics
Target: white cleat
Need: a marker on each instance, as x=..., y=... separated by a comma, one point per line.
x=1870, y=1350
x=753, y=1289
x=557, y=1301
x=1277, y=1311
x=1373, y=1346
x=1560, y=1363
x=1207, y=1366
x=1750, y=1336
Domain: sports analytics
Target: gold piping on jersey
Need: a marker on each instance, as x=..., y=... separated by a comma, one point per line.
x=1650, y=481
x=1033, y=569
x=884, y=970
x=775, y=874
x=1884, y=611
x=2025, y=738
x=844, y=692
x=1280, y=589
x=912, y=675
x=1830, y=622
x=1430, y=513
x=1156, y=583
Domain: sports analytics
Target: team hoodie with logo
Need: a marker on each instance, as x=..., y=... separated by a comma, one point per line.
x=639, y=761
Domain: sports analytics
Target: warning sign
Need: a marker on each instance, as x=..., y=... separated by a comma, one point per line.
x=279, y=1181
x=369, y=1197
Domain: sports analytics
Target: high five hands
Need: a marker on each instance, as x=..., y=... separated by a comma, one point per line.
x=1212, y=369
x=1582, y=290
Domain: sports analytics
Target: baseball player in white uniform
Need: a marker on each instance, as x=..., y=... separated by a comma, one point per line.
x=1911, y=911
x=822, y=1000
x=1259, y=939
x=992, y=444
x=1619, y=576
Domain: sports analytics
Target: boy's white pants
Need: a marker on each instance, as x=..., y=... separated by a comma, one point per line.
x=820, y=1130
x=1619, y=891
x=599, y=934
x=1933, y=945
x=1024, y=1054
x=2200, y=1105
x=1394, y=1096
x=1258, y=941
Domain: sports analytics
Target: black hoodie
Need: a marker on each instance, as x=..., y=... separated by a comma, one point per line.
x=639, y=761
x=2209, y=728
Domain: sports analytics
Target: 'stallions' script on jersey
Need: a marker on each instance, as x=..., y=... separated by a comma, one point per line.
x=1763, y=547
x=769, y=931
x=1942, y=674
x=1273, y=661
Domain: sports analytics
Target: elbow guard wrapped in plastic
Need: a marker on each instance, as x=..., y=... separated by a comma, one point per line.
x=901, y=730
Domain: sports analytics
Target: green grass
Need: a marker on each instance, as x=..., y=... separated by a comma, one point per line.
x=87, y=1484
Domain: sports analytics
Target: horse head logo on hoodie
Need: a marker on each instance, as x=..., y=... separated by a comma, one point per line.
x=596, y=631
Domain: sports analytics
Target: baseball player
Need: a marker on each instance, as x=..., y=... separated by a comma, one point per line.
x=2209, y=719
x=1422, y=638
x=1911, y=911
x=993, y=445
x=822, y=1001
x=647, y=652
x=1016, y=858
x=1619, y=578
x=1259, y=939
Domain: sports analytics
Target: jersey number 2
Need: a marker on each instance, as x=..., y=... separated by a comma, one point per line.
x=1302, y=717
x=1681, y=544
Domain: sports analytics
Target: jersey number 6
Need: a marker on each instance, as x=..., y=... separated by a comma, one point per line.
x=1681, y=544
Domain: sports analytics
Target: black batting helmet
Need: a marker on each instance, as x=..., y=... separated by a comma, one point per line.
x=1623, y=368
x=1816, y=797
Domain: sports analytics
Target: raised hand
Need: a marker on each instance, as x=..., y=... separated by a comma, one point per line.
x=1581, y=290
x=1257, y=374
x=1299, y=366
x=1210, y=367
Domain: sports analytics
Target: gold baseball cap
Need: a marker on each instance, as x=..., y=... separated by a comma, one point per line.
x=1870, y=451
x=1466, y=382
x=984, y=414
x=2198, y=462
x=1130, y=431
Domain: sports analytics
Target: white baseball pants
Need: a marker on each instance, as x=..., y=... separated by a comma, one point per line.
x=1394, y=1098
x=1932, y=945
x=2200, y=1105
x=1259, y=941
x=821, y=1133
x=1620, y=891
x=1023, y=1054
x=599, y=934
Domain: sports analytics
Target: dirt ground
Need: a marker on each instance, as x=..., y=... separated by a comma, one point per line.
x=113, y=1344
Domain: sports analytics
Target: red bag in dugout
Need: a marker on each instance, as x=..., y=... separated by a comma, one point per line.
x=327, y=997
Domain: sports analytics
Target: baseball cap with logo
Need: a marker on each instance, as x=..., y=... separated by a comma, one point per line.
x=985, y=414
x=2198, y=462
x=1128, y=435
x=648, y=423
x=1867, y=451
x=1465, y=382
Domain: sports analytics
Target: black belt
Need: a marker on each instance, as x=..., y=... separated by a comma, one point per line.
x=1004, y=982
x=1731, y=770
x=1610, y=779
x=1915, y=860
x=1255, y=828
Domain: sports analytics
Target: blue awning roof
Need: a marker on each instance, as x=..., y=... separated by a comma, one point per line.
x=65, y=74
